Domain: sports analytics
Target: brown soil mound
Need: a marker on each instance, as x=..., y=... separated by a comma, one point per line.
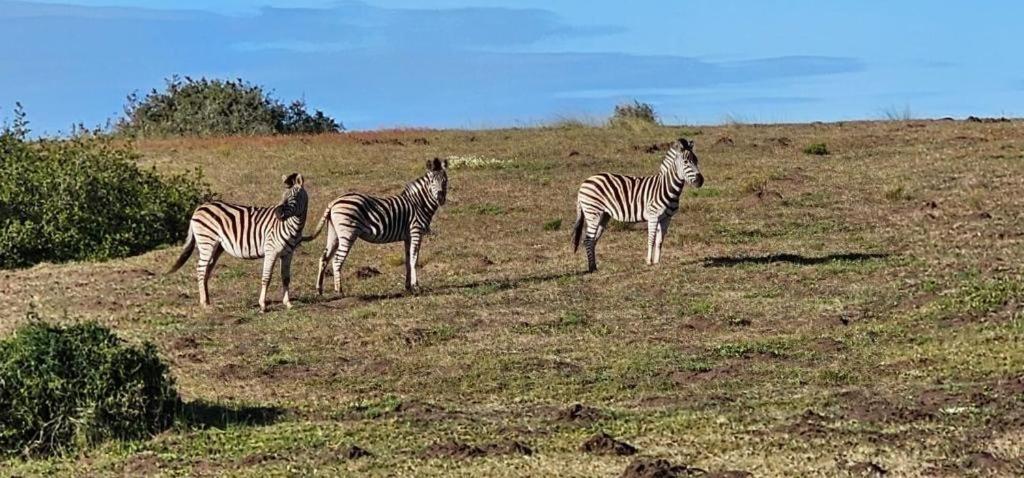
x=354, y=452
x=578, y=412
x=453, y=449
x=604, y=444
x=458, y=450
x=367, y=272
x=508, y=448
x=657, y=468
x=652, y=148
x=866, y=468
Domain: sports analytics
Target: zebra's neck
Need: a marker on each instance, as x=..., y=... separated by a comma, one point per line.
x=668, y=175
x=418, y=193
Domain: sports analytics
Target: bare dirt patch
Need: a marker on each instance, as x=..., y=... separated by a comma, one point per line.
x=146, y=463
x=865, y=407
x=809, y=424
x=761, y=196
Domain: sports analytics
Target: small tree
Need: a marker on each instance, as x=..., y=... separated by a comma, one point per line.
x=634, y=114
x=204, y=107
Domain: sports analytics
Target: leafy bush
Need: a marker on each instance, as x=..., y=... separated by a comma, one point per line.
x=65, y=388
x=85, y=198
x=818, y=149
x=205, y=107
x=634, y=114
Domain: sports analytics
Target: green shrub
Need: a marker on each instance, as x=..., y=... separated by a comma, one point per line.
x=818, y=149
x=85, y=198
x=205, y=107
x=62, y=389
x=634, y=115
x=553, y=225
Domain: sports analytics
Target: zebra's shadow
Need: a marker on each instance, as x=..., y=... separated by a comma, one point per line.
x=490, y=285
x=797, y=259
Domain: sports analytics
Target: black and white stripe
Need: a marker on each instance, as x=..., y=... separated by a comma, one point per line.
x=650, y=199
x=405, y=217
x=248, y=232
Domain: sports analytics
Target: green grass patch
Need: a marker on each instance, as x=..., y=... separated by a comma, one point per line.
x=816, y=149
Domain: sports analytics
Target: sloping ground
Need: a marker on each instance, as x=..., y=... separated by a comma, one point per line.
x=854, y=313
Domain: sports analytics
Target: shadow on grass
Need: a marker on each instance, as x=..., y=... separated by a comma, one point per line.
x=485, y=285
x=792, y=259
x=201, y=414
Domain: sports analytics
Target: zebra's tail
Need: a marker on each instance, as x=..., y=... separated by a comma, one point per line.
x=577, y=229
x=190, y=245
x=319, y=226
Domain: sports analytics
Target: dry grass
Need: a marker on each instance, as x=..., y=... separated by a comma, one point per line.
x=810, y=315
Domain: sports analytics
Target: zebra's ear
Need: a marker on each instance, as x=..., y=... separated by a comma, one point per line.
x=292, y=179
x=444, y=164
x=434, y=165
x=430, y=165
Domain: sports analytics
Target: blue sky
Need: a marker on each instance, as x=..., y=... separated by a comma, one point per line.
x=490, y=63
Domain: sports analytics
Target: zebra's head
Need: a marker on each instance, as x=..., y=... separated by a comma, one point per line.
x=437, y=179
x=294, y=201
x=687, y=164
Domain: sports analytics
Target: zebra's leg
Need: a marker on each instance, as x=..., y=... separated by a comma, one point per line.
x=329, y=250
x=601, y=226
x=652, y=235
x=268, y=272
x=412, y=252
x=592, y=228
x=208, y=255
x=662, y=230
x=345, y=242
x=286, y=278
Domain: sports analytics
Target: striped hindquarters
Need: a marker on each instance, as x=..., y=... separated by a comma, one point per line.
x=245, y=232
x=624, y=198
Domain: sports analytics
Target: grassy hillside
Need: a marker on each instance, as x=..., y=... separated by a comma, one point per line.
x=812, y=314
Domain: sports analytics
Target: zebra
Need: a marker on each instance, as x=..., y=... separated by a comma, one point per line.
x=379, y=220
x=248, y=232
x=651, y=199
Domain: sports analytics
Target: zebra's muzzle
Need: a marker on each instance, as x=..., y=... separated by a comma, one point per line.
x=699, y=180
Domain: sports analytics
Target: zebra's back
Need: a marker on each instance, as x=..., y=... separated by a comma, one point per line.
x=624, y=198
x=241, y=230
x=375, y=219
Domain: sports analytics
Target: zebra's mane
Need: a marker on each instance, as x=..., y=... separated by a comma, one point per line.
x=415, y=186
x=670, y=158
